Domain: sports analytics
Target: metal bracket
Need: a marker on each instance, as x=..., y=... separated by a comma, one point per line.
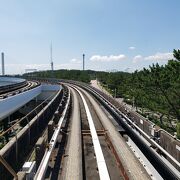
x=8, y=167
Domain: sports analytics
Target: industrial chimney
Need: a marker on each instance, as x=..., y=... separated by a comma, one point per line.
x=83, y=61
x=52, y=65
x=3, y=69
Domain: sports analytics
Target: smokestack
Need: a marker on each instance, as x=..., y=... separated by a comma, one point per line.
x=83, y=61
x=52, y=65
x=3, y=69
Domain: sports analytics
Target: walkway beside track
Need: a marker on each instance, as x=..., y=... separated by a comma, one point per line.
x=74, y=160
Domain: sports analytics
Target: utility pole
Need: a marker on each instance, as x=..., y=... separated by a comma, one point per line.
x=83, y=62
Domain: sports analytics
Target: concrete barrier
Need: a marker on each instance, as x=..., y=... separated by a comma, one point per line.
x=15, y=151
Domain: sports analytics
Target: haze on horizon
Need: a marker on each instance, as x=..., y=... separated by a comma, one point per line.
x=117, y=34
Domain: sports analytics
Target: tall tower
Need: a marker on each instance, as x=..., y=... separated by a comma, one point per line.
x=83, y=62
x=3, y=69
x=52, y=66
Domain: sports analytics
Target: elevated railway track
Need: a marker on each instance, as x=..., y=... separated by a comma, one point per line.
x=19, y=148
x=10, y=90
x=91, y=151
x=9, y=83
x=163, y=168
x=85, y=134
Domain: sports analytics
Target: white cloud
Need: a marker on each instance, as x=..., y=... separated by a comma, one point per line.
x=75, y=61
x=156, y=57
x=160, y=57
x=137, y=58
x=132, y=48
x=108, y=58
x=20, y=68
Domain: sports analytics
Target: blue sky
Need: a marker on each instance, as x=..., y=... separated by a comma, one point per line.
x=114, y=34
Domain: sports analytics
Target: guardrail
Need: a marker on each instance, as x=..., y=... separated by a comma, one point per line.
x=40, y=174
x=20, y=145
x=11, y=87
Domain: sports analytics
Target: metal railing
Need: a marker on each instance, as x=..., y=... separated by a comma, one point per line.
x=26, y=137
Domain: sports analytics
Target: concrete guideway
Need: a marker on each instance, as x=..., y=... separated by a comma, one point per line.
x=5, y=81
x=73, y=169
x=132, y=166
x=11, y=104
x=101, y=163
x=9, y=84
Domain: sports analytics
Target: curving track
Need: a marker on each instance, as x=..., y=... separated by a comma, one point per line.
x=166, y=171
x=74, y=150
x=93, y=147
x=14, y=89
x=110, y=160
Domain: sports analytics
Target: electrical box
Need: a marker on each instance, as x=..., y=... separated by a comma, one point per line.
x=30, y=169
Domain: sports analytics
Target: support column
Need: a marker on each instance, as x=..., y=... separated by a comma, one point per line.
x=50, y=130
x=40, y=150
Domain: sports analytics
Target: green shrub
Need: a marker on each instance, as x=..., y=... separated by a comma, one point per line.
x=178, y=130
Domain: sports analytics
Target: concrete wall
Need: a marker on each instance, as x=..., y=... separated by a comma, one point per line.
x=11, y=79
x=13, y=103
x=48, y=87
x=47, y=91
x=15, y=151
x=170, y=144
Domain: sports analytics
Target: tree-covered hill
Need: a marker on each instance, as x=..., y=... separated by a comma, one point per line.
x=77, y=75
